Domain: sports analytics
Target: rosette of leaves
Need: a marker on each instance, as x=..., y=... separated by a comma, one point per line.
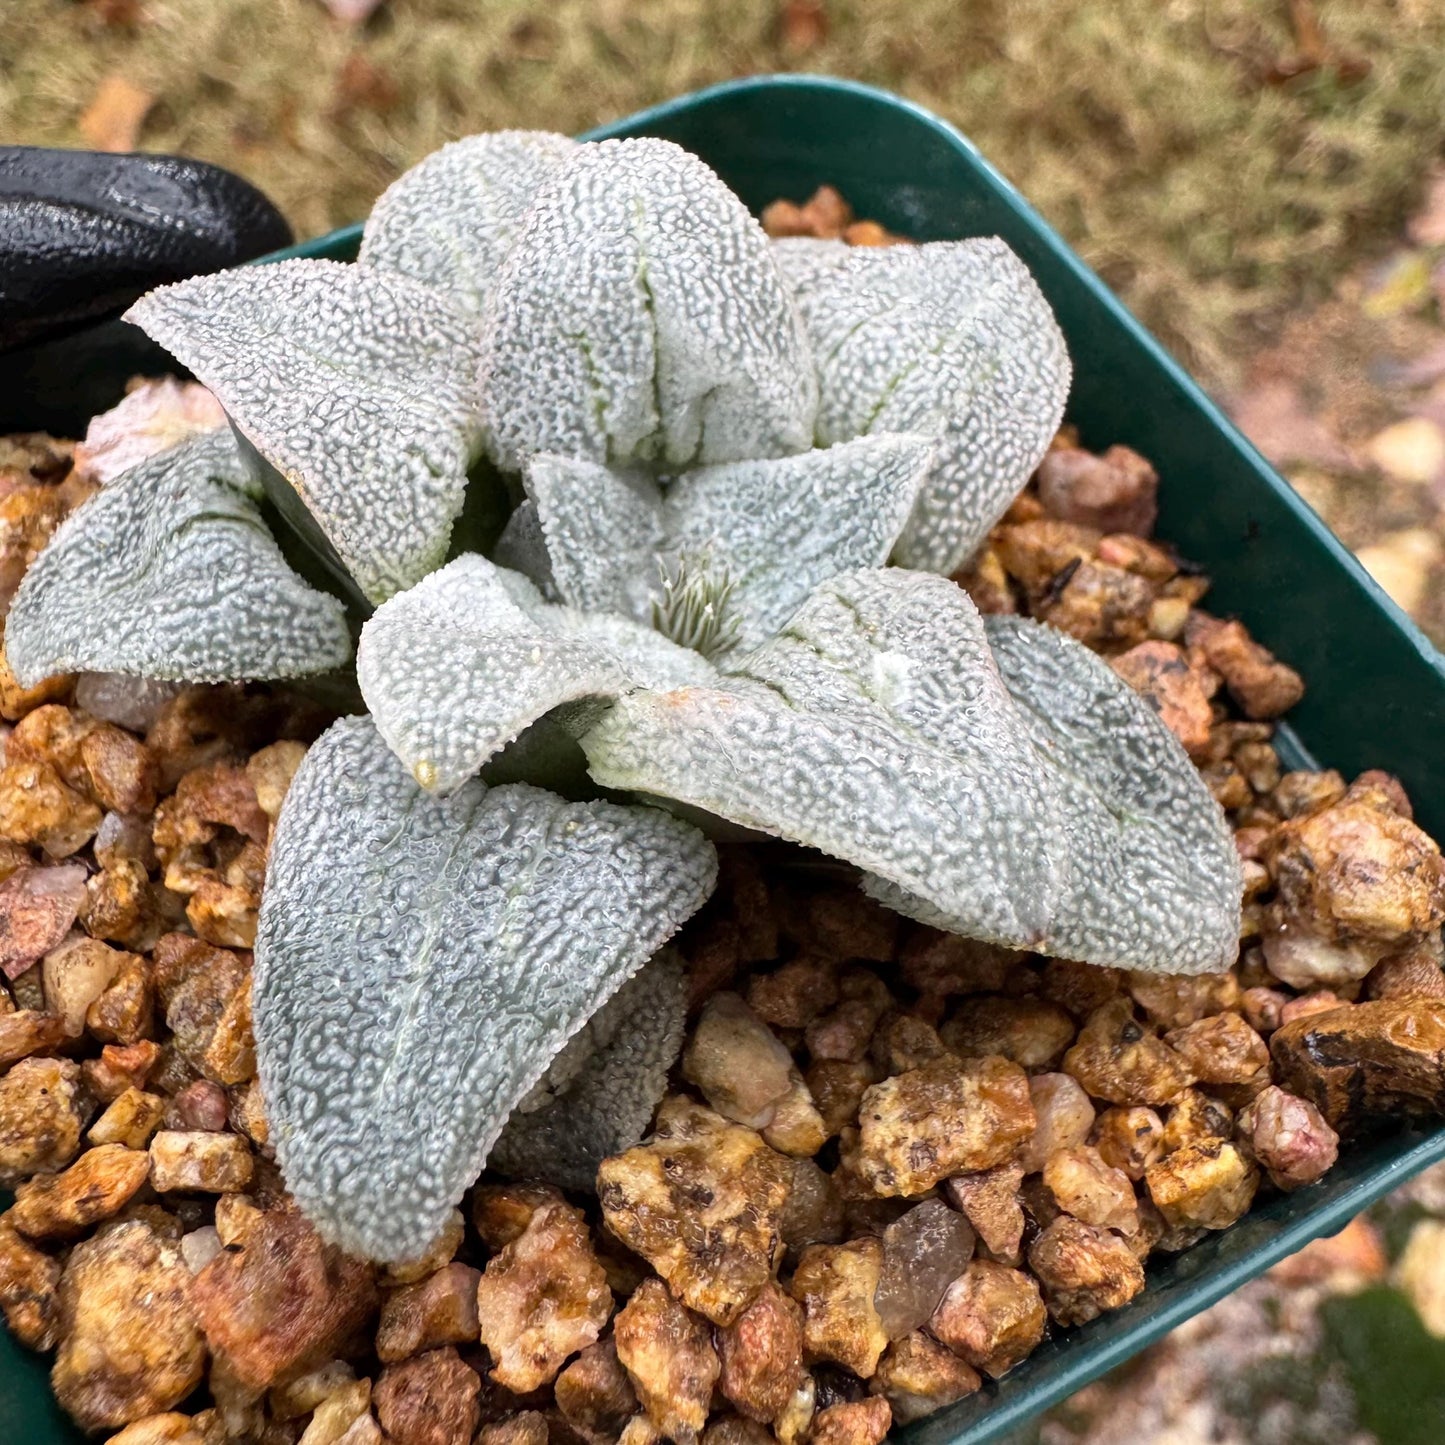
x=709, y=448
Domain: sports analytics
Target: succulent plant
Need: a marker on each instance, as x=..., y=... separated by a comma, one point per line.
x=707, y=447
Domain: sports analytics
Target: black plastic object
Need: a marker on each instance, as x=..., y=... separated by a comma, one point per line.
x=83, y=233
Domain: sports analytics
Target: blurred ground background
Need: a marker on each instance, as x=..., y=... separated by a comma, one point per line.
x=1262, y=180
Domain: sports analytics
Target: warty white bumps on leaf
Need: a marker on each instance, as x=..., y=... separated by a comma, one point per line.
x=356, y=384
x=640, y=317
x=774, y=528
x=451, y=219
x=169, y=573
x=419, y=963
x=615, y=1081
x=874, y=727
x=950, y=335
x=455, y=668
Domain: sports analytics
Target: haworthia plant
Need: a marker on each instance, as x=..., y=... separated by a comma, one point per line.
x=419, y=962
x=713, y=446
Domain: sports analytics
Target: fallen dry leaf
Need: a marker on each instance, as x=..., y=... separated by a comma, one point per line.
x=1401, y=562
x=112, y=120
x=1274, y=418
x=1412, y=450
x=803, y=25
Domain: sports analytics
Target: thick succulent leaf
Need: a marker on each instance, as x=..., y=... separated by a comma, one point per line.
x=640, y=317
x=170, y=573
x=1154, y=878
x=952, y=336
x=600, y=1103
x=451, y=219
x=419, y=962
x=455, y=668
x=773, y=529
x=876, y=728
x=356, y=384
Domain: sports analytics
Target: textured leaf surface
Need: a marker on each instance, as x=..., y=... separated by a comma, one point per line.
x=640, y=317
x=356, y=384
x=420, y=962
x=1154, y=879
x=455, y=668
x=775, y=528
x=952, y=336
x=170, y=573
x=451, y=219
x=876, y=728
x=600, y=1103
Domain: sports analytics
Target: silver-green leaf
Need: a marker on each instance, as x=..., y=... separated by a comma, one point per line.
x=170, y=573
x=455, y=668
x=614, y=1077
x=419, y=963
x=952, y=337
x=451, y=219
x=640, y=317
x=356, y=384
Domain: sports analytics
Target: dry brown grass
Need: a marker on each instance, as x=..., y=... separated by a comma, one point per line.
x=1142, y=128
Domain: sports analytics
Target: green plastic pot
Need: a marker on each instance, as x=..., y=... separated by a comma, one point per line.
x=1376, y=686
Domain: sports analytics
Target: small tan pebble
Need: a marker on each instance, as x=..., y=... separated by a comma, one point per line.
x=98, y=1185
x=270, y=772
x=1064, y=1117
x=1263, y=686
x=1416, y=973
x=1163, y=674
x=737, y=1062
x=124, y=1012
x=1037, y=550
x=1136, y=554
x=1168, y=617
x=120, y=839
x=924, y=1251
x=714, y=955
x=167, y=1429
x=1103, y=607
x=129, y=1345
x=948, y=1117
x=837, y=1285
x=989, y=1200
x=1300, y=793
x=281, y=1301
x=302, y=1394
x=594, y=1394
x=902, y=1042
x=37, y=907
x=793, y=1425
x=438, y=1310
x=37, y=809
x=639, y=1430
x=236, y=1216
x=17, y=701
x=1031, y=1032
x=1260, y=765
x=992, y=1317
x=119, y=906
x=53, y=735
x=430, y=1399
x=1080, y=987
x=1227, y=785
x=1115, y=492
x=541, y=1299
x=194, y=1159
x=502, y=1212
x=120, y=771
x=248, y=1115
x=208, y=797
x=843, y=1033
x=200, y=1247
x=844, y=923
x=735, y=1430
x=28, y=1282
x=1317, y=1001
x=761, y=1354
x=794, y=995
x=797, y=1128
x=853, y=1422
x=837, y=1087
x=337, y=1413
x=717, y=1256
x=1119, y=1060
x=1205, y=1185
x=1084, y=1269
x=225, y=914
x=206, y=992
x=43, y=1109
x=74, y=975
x=1289, y=1137
x=947, y=963
x=1091, y=1190
x=987, y=584
x=681, y=1120
x=825, y=215
x=917, y=1376
x=668, y=1354
x=1263, y=1008
x=530, y=1427
x=1220, y=1050
x=1193, y=1118
x=1174, y=1000
x=1130, y=1139
x=200, y=1105
x=120, y=1067
x=814, y=1211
